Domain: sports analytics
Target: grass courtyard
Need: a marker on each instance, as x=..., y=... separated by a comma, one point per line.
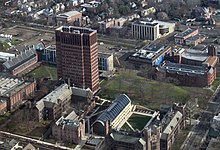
x=138, y=121
x=45, y=71
x=150, y=93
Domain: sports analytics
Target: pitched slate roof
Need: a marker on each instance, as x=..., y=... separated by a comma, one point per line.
x=115, y=108
x=20, y=59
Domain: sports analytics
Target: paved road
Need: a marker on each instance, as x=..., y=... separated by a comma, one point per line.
x=198, y=133
x=36, y=143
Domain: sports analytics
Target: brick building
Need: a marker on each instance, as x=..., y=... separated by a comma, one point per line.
x=69, y=18
x=21, y=62
x=77, y=56
x=193, y=68
x=180, y=38
x=13, y=91
x=69, y=129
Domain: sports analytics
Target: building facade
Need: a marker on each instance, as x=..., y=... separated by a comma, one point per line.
x=180, y=38
x=193, y=68
x=151, y=30
x=145, y=30
x=14, y=91
x=171, y=130
x=77, y=56
x=21, y=62
x=54, y=104
x=71, y=18
x=106, y=62
x=69, y=129
x=152, y=55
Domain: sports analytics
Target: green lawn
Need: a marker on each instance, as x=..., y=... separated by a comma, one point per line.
x=138, y=121
x=45, y=71
x=150, y=93
x=4, y=117
x=126, y=127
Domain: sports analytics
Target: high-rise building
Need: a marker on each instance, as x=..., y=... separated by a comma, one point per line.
x=77, y=56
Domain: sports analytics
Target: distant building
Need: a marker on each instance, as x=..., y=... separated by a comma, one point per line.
x=193, y=68
x=91, y=6
x=21, y=62
x=69, y=18
x=105, y=62
x=54, y=104
x=195, y=40
x=47, y=54
x=77, y=56
x=180, y=38
x=152, y=55
x=148, y=11
x=105, y=25
x=69, y=129
x=151, y=30
x=14, y=91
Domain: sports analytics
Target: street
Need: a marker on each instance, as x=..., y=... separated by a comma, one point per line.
x=199, y=131
x=36, y=143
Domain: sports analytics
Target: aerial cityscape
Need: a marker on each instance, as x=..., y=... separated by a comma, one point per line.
x=109, y=75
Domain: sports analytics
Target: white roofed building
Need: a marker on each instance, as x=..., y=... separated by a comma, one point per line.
x=55, y=103
x=69, y=18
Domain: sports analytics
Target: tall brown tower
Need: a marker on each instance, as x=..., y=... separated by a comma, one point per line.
x=77, y=56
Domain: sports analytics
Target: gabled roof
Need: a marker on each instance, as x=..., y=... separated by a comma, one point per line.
x=171, y=125
x=20, y=59
x=114, y=109
x=59, y=94
x=81, y=92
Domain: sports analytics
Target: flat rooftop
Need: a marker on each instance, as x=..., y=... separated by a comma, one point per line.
x=175, y=67
x=75, y=30
x=149, y=23
x=149, y=51
x=163, y=23
x=7, y=84
x=185, y=33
